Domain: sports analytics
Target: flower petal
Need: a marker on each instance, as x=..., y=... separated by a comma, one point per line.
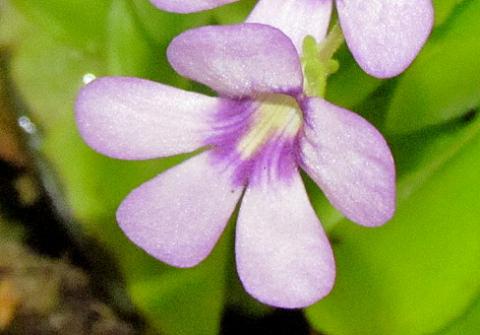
x=238, y=60
x=189, y=6
x=178, y=216
x=131, y=118
x=296, y=18
x=350, y=161
x=385, y=36
x=283, y=256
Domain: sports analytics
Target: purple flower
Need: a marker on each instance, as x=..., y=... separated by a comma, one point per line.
x=256, y=135
x=384, y=36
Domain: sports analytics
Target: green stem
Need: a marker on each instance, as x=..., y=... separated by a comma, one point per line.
x=318, y=62
x=331, y=43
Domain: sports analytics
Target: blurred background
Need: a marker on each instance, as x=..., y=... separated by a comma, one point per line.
x=66, y=268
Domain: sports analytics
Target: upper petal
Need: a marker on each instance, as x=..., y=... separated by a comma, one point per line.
x=296, y=18
x=131, y=118
x=189, y=6
x=238, y=60
x=350, y=161
x=283, y=256
x=178, y=216
x=385, y=36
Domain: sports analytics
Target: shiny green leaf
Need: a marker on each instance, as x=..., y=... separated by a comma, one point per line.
x=350, y=85
x=49, y=76
x=76, y=22
x=443, y=83
x=236, y=12
x=466, y=324
x=162, y=26
x=187, y=301
x=129, y=51
x=418, y=272
x=443, y=9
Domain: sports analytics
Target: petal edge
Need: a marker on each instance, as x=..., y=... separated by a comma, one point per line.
x=178, y=216
x=350, y=161
x=189, y=6
x=238, y=60
x=284, y=258
x=385, y=36
x=296, y=18
x=132, y=118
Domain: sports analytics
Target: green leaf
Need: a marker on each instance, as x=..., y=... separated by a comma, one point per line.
x=467, y=324
x=76, y=22
x=418, y=272
x=162, y=26
x=443, y=83
x=129, y=52
x=48, y=75
x=443, y=9
x=158, y=28
x=236, y=12
x=12, y=25
x=187, y=301
x=350, y=85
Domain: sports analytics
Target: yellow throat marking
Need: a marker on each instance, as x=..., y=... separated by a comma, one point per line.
x=276, y=115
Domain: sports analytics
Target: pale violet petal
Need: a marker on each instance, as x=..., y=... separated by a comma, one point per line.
x=385, y=36
x=238, y=60
x=131, y=118
x=189, y=6
x=283, y=256
x=296, y=18
x=178, y=216
x=350, y=161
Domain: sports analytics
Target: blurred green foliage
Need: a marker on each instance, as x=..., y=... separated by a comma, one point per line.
x=418, y=274
x=446, y=74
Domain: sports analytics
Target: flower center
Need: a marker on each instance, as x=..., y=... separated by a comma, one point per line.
x=257, y=138
x=275, y=117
